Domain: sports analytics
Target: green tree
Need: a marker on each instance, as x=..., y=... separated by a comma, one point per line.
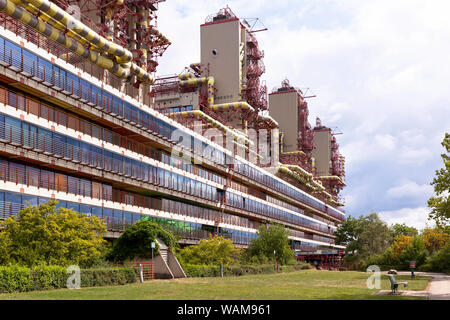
x=435, y=238
x=346, y=231
x=440, y=204
x=43, y=235
x=440, y=260
x=415, y=251
x=403, y=230
x=271, y=244
x=364, y=236
x=213, y=251
x=400, y=244
x=137, y=240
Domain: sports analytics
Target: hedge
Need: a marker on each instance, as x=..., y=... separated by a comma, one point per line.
x=214, y=271
x=21, y=279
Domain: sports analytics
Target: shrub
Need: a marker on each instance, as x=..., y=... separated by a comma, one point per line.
x=15, y=278
x=214, y=271
x=440, y=260
x=45, y=235
x=107, y=277
x=425, y=267
x=21, y=279
x=48, y=277
x=136, y=241
x=272, y=244
x=212, y=251
x=197, y=271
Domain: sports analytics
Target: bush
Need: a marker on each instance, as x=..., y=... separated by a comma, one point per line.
x=399, y=256
x=15, y=278
x=197, y=271
x=42, y=234
x=212, y=251
x=440, y=260
x=272, y=244
x=297, y=267
x=21, y=279
x=48, y=277
x=137, y=240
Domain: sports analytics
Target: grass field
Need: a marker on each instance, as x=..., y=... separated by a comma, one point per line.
x=300, y=285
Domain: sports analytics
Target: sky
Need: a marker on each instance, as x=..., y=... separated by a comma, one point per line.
x=380, y=70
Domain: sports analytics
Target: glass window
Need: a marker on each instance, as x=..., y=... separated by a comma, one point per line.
x=31, y=200
x=97, y=211
x=74, y=206
x=13, y=203
x=61, y=182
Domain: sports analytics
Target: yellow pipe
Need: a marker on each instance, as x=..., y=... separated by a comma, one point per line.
x=61, y=16
x=233, y=105
x=189, y=80
x=212, y=121
x=48, y=19
x=281, y=141
x=294, y=152
x=61, y=20
x=25, y=17
x=268, y=118
x=300, y=170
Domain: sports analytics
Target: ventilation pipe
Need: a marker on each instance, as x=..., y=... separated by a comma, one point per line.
x=25, y=17
x=62, y=20
x=188, y=79
x=214, y=123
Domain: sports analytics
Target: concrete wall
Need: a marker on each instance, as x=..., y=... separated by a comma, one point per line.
x=284, y=109
x=175, y=266
x=322, y=151
x=224, y=38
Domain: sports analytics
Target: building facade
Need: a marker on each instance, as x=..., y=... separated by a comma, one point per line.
x=83, y=122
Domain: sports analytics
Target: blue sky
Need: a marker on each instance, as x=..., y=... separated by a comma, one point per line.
x=381, y=73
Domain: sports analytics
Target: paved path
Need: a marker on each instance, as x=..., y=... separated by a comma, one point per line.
x=439, y=287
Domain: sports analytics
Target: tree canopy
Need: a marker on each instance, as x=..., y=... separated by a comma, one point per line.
x=440, y=203
x=365, y=235
x=403, y=230
x=137, y=240
x=213, y=251
x=43, y=235
x=271, y=244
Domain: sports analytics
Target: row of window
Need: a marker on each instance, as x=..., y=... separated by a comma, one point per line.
x=20, y=102
x=42, y=69
x=284, y=188
x=204, y=213
x=29, y=136
x=176, y=109
x=50, y=74
x=244, y=203
x=24, y=174
x=23, y=133
x=28, y=175
x=118, y=220
x=24, y=103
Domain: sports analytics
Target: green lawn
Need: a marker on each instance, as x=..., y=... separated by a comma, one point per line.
x=306, y=284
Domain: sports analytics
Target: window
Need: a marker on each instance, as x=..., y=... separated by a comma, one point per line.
x=61, y=182
x=13, y=203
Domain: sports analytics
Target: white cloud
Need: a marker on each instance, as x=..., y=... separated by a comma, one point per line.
x=385, y=141
x=410, y=189
x=415, y=217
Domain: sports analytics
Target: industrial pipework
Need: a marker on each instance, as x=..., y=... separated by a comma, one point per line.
x=188, y=79
x=57, y=18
